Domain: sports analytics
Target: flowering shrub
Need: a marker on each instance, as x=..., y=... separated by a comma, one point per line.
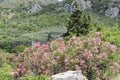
x=97, y=59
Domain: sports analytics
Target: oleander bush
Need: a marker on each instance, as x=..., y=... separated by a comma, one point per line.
x=97, y=59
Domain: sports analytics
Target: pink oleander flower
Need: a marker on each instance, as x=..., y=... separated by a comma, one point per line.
x=98, y=33
x=96, y=48
x=116, y=64
x=82, y=61
x=95, y=67
x=99, y=56
x=59, y=48
x=98, y=78
x=85, y=66
x=89, y=43
x=77, y=67
x=97, y=40
x=74, y=37
x=58, y=57
x=85, y=54
x=113, y=48
x=98, y=71
x=26, y=49
x=112, y=67
x=18, y=57
x=60, y=38
x=45, y=46
x=61, y=45
x=46, y=71
x=106, y=45
x=37, y=44
x=104, y=54
x=20, y=64
x=53, y=61
x=66, y=60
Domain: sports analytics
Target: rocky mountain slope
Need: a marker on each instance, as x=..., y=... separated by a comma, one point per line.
x=109, y=8
x=15, y=3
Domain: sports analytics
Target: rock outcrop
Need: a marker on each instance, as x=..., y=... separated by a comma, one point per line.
x=34, y=8
x=82, y=4
x=69, y=75
x=112, y=12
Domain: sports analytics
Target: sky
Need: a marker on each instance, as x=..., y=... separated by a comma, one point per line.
x=59, y=0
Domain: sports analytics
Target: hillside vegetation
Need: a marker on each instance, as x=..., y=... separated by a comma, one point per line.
x=36, y=45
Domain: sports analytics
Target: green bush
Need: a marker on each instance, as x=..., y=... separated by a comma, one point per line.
x=4, y=58
x=9, y=44
x=19, y=48
x=5, y=72
x=111, y=34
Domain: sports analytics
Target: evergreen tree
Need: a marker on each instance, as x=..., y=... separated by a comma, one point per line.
x=78, y=24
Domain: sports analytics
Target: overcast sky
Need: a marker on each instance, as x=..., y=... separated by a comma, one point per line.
x=59, y=0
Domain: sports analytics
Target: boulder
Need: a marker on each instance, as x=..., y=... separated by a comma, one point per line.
x=88, y=5
x=82, y=4
x=69, y=75
x=112, y=12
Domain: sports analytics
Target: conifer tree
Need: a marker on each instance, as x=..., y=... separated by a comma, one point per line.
x=79, y=24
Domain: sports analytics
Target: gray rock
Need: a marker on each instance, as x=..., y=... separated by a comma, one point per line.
x=82, y=4
x=88, y=4
x=112, y=12
x=67, y=7
x=69, y=75
x=34, y=8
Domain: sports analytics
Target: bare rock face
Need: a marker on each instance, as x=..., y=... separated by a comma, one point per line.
x=34, y=8
x=69, y=75
x=88, y=4
x=112, y=12
x=83, y=5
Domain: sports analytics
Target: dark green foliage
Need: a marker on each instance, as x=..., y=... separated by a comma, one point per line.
x=19, y=48
x=79, y=24
x=12, y=44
